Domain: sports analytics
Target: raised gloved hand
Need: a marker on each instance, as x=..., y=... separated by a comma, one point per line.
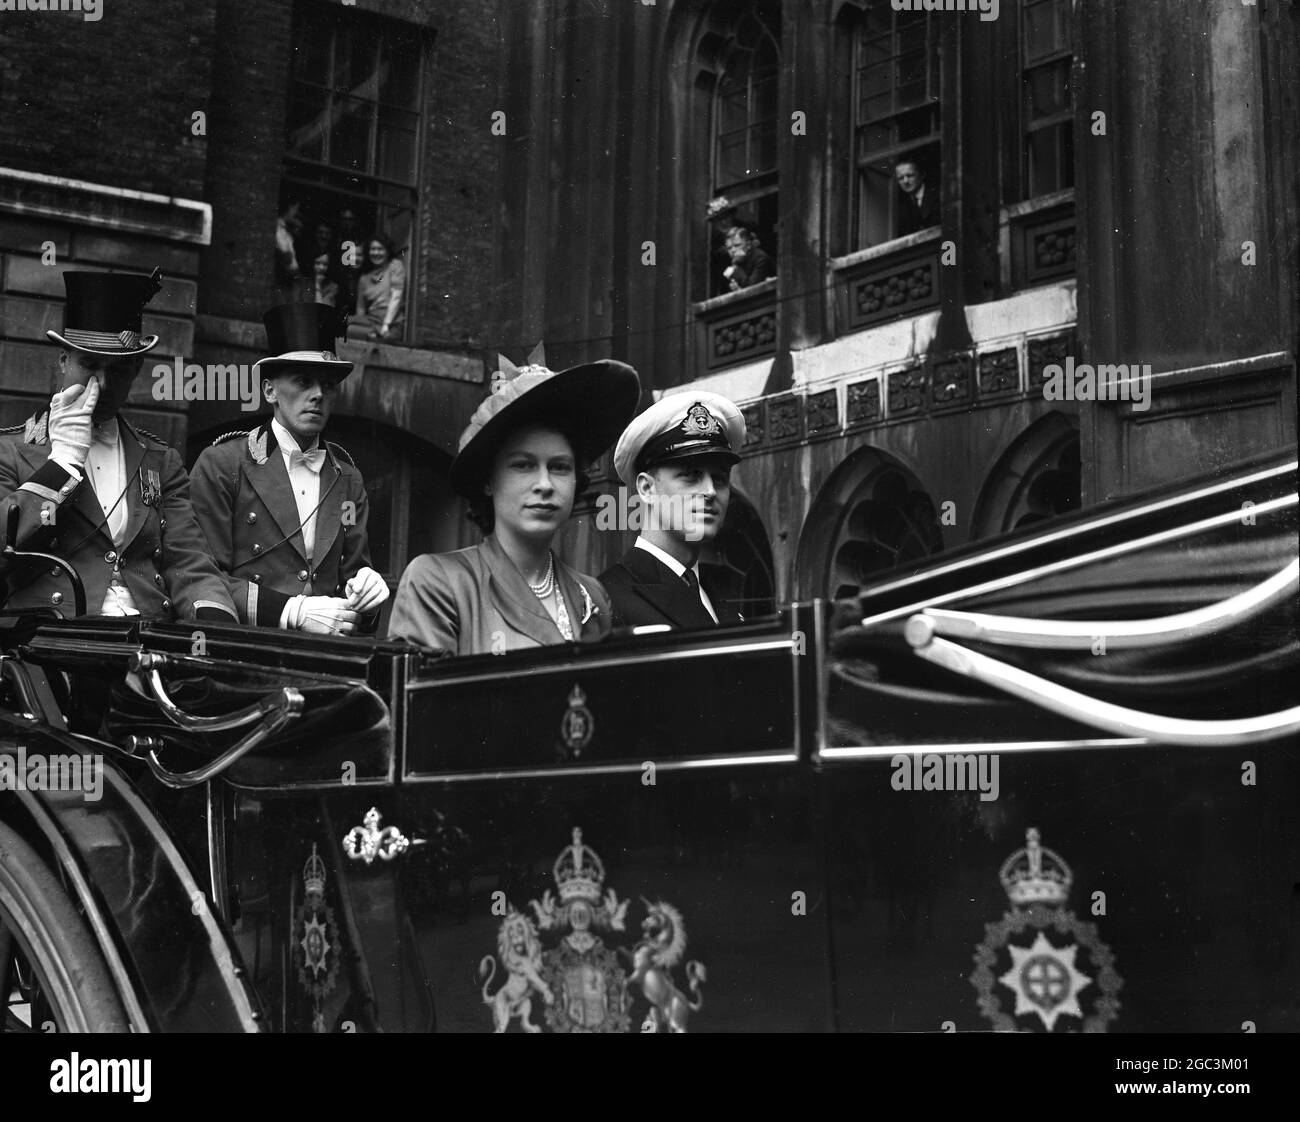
x=70, y=423
x=321, y=615
x=366, y=590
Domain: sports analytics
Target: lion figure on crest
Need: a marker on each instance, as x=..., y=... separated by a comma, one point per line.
x=520, y=952
x=662, y=945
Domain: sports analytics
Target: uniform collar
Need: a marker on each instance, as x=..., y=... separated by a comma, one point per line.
x=678, y=569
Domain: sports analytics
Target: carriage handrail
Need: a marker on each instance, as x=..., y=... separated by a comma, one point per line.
x=150, y=665
x=290, y=708
x=1074, y=635
x=1087, y=710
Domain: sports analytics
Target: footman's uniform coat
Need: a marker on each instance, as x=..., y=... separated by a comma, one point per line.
x=246, y=508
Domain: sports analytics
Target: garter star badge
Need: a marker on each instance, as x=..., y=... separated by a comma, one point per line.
x=1058, y=971
x=563, y=964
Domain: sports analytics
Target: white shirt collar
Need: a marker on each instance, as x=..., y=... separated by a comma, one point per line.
x=284, y=438
x=667, y=558
x=108, y=432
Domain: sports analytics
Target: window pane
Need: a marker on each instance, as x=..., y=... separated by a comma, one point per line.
x=355, y=58
x=1051, y=159
x=1046, y=29
x=1047, y=90
x=399, y=73
x=308, y=113
x=350, y=136
x=395, y=158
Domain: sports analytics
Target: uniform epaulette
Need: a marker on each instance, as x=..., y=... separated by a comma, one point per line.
x=340, y=452
x=228, y=436
x=9, y=430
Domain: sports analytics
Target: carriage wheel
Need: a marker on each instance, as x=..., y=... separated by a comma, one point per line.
x=53, y=977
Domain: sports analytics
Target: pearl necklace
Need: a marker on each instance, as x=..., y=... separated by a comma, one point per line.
x=547, y=584
x=543, y=591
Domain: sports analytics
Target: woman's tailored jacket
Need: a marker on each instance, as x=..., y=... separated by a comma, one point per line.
x=245, y=505
x=474, y=601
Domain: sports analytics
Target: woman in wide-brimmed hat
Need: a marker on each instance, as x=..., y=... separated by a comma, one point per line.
x=520, y=464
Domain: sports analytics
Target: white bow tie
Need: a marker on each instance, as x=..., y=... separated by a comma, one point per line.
x=312, y=461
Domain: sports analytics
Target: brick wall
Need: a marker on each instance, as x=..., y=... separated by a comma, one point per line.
x=109, y=101
x=246, y=148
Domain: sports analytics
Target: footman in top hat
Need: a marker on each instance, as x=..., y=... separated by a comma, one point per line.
x=283, y=510
x=677, y=456
x=111, y=499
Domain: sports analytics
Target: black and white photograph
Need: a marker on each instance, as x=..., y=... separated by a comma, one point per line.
x=650, y=516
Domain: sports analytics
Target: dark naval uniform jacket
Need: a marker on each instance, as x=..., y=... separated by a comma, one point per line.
x=474, y=601
x=644, y=591
x=163, y=559
x=245, y=504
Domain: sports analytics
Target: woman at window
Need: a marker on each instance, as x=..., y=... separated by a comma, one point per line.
x=520, y=465
x=381, y=290
x=326, y=290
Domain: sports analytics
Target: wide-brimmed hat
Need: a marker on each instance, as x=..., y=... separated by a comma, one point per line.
x=676, y=427
x=104, y=313
x=591, y=403
x=303, y=334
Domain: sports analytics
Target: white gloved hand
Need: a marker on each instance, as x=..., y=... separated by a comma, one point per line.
x=366, y=590
x=70, y=423
x=321, y=615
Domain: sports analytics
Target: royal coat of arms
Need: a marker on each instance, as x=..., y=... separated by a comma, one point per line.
x=1060, y=973
x=569, y=963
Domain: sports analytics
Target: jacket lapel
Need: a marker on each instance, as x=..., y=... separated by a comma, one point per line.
x=582, y=608
x=664, y=591
x=271, y=482
x=513, y=599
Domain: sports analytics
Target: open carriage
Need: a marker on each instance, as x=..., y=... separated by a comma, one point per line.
x=1048, y=784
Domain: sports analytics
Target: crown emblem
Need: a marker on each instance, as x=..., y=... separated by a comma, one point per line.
x=313, y=875
x=1035, y=874
x=579, y=874
x=700, y=422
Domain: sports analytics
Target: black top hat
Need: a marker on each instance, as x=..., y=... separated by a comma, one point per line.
x=104, y=312
x=304, y=335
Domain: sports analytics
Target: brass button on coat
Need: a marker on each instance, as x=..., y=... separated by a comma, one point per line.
x=256, y=549
x=56, y=598
x=166, y=605
x=257, y=578
x=110, y=556
x=252, y=518
x=158, y=579
x=302, y=574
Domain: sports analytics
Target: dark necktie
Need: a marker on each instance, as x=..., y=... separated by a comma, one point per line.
x=692, y=582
